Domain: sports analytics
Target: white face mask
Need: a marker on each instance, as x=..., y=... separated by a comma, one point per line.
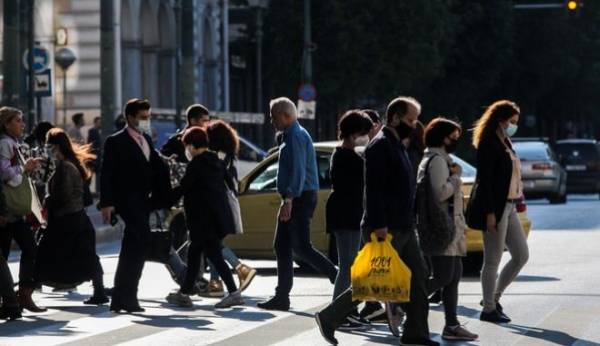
x=145, y=127
x=361, y=141
x=188, y=154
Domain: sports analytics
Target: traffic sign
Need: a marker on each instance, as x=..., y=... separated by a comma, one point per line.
x=41, y=59
x=42, y=83
x=307, y=92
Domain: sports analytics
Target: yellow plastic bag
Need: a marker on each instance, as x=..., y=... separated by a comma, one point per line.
x=378, y=273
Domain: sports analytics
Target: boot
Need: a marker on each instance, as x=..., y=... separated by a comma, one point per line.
x=245, y=274
x=10, y=312
x=25, y=301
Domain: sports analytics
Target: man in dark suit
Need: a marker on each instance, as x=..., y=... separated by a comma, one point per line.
x=390, y=187
x=132, y=179
x=197, y=115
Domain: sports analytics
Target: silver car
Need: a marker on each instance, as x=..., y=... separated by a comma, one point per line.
x=542, y=173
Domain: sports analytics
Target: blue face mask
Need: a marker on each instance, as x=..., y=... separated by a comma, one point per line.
x=511, y=129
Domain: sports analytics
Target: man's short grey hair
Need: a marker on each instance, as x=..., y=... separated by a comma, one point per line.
x=283, y=105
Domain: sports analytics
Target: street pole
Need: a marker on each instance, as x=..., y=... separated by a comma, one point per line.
x=31, y=80
x=259, y=58
x=11, y=56
x=64, y=101
x=107, y=61
x=308, y=69
x=225, y=40
x=178, y=39
x=187, y=81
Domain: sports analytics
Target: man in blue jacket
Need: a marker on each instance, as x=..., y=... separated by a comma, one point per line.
x=298, y=184
x=390, y=187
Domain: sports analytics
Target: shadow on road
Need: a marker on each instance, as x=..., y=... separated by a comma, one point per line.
x=520, y=278
x=175, y=321
x=553, y=336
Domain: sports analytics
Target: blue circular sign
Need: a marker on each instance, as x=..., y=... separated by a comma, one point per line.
x=307, y=92
x=41, y=59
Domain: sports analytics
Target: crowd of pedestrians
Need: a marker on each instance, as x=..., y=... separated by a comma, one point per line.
x=375, y=172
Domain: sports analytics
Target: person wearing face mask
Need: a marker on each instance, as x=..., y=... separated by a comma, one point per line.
x=389, y=208
x=208, y=216
x=441, y=139
x=132, y=185
x=345, y=204
x=67, y=251
x=492, y=207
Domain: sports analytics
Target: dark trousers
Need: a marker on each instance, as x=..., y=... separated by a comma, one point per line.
x=23, y=236
x=7, y=292
x=134, y=248
x=447, y=271
x=212, y=250
x=417, y=310
x=293, y=237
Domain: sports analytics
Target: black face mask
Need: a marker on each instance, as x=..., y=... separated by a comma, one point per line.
x=404, y=130
x=450, y=148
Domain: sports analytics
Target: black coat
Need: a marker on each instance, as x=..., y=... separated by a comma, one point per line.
x=490, y=192
x=129, y=181
x=174, y=146
x=207, y=211
x=345, y=204
x=390, y=184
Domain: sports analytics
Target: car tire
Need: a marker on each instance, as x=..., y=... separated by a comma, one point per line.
x=472, y=264
x=560, y=197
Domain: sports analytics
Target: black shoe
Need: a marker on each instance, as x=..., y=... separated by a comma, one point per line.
x=436, y=297
x=132, y=307
x=374, y=312
x=10, y=313
x=326, y=329
x=97, y=300
x=350, y=325
x=275, y=303
x=418, y=342
x=494, y=317
x=498, y=306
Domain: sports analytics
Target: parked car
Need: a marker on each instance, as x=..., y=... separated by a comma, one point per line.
x=542, y=173
x=259, y=202
x=249, y=156
x=581, y=158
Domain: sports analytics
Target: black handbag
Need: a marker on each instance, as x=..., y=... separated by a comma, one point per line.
x=161, y=239
x=435, y=225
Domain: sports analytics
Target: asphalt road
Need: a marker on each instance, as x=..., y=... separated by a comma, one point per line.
x=555, y=301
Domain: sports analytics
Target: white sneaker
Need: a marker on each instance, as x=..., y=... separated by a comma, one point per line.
x=230, y=300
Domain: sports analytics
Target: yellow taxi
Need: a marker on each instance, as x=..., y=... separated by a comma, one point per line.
x=259, y=203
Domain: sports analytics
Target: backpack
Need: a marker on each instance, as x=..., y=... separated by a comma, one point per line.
x=435, y=225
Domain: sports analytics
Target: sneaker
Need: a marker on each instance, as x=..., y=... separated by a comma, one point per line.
x=436, y=297
x=180, y=299
x=418, y=342
x=215, y=290
x=245, y=275
x=374, y=312
x=498, y=306
x=355, y=317
x=326, y=329
x=349, y=325
x=395, y=316
x=275, y=303
x=458, y=333
x=233, y=299
x=494, y=317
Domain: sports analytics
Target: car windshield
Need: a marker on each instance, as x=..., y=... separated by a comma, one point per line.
x=532, y=151
x=578, y=152
x=468, y=170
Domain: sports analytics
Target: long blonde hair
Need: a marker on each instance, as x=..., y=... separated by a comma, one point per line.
x=490, y=120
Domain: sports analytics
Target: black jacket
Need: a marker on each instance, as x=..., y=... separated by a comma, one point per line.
x=205, y=202
x=345, y=204
x=129, y=181
x=389, y=184
x=174, y=146
x=490, y=192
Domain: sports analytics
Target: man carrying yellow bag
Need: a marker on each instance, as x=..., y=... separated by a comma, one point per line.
x=390, y=187
x=378, y=273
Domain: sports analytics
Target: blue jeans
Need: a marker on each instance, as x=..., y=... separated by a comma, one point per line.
x=293, y=237
x=348, y=244
x=229, y=257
